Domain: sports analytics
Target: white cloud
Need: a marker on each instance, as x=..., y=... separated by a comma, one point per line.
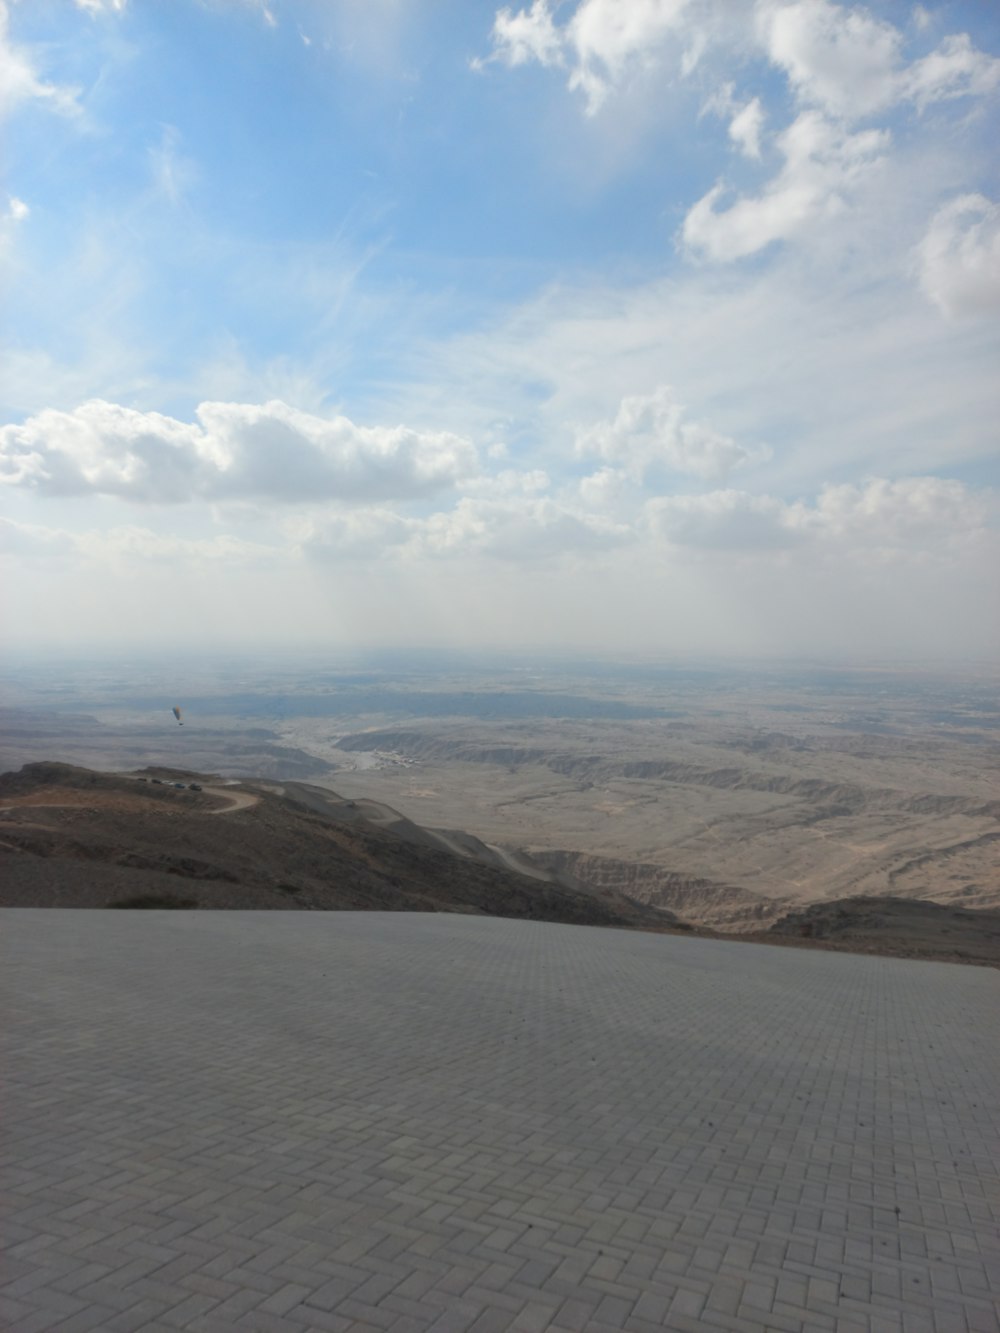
x=852, y=64
x=34, y=542
x=955, y=69
x=910, y=515
x=922, y=18
x=102, y=6
x=746, y=119
x=233, y=451
x=609, y=39
x=731, y=520
x=362, y=534
x=603, y=490
x=824, y=165
x=123, y=546
x=527, y=35
x=649, y=430
x=960, y=257
x=522, y=531
x=917, y=518
x=20, y=81
x=842, y=59
x=601, y=44
x=508, y=482
x=914, y=511
x=10, y=218
x=834, y=361
x=745, y=128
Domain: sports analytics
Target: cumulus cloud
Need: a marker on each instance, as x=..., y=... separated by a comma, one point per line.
x=839, y=58
x=601, y=44
x=508, y=482
x=527, y=530
x=363, y=534
x=851, y=64
x=959, y=257
x=232, y=451
x=913, y=511
x=650, y=431
x=723, y=520
x=910, y=514
x=603, y=489
x=529, y=34
x=823, y=166
x=19, y=79
x=842, y=59
x=522, y=530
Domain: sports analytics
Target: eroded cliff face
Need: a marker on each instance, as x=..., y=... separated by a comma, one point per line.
x=700, y=902
x=726, y=828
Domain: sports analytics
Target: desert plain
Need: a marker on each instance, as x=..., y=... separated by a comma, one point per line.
x=728, y=795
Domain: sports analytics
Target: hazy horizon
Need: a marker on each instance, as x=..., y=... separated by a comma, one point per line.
x=380, y=327
x=502, y=657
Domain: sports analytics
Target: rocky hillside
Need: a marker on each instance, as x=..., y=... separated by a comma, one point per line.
x=897, y=926
x=70, y=837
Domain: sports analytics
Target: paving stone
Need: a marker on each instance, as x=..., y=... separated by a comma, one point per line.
x=346, y=1121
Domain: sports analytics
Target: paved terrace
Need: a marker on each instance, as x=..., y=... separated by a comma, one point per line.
x=287, y=1121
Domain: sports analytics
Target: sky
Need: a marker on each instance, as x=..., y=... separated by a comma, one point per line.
x=632, y=326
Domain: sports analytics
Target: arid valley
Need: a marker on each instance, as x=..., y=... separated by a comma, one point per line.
x=730, y=799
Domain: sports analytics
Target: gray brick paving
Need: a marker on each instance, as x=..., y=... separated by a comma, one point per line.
x=290, y=1121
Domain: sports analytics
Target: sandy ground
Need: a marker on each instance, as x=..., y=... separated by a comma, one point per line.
x=776, y=820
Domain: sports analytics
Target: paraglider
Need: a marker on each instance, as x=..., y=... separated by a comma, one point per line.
x=177, y=714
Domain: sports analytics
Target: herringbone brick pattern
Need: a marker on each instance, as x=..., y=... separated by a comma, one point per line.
x=281, y=1122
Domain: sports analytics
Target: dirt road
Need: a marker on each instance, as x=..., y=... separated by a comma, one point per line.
x=235, y=800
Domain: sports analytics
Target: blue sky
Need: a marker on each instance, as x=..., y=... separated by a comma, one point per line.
x=650, y=325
